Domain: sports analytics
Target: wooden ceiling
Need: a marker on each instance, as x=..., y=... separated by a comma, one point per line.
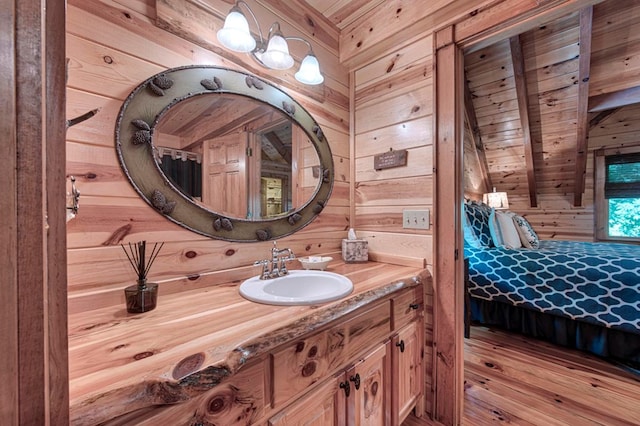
x=344, y=12
x=542, y=100
x=539, y=102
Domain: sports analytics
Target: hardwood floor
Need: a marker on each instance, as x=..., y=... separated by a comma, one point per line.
x=511, y=379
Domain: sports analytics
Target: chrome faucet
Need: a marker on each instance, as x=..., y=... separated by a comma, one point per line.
x=276, y=267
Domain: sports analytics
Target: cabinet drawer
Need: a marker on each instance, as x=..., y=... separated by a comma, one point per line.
x=407, y=306
x=304, y=362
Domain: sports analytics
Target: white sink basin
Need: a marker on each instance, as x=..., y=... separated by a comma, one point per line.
x=297, y=288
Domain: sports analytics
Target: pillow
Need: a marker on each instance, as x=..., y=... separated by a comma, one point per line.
x=494, y=229
x=528, y=236
x=477, y=225
x=470, y=237
x=508, y=230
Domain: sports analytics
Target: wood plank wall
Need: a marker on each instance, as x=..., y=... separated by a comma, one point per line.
x=551, y=72
x=393, y=111
x=112, y=46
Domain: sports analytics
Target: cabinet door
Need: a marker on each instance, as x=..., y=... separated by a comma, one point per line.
x=369, y=402
x=407, y=374
x=324, y=406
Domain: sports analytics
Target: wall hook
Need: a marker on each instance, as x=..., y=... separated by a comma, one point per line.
x=72, y=200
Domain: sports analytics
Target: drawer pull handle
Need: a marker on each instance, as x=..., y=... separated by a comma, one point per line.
x=400, y=344
x=414, y=306
x=356, y=380
x=347, y=388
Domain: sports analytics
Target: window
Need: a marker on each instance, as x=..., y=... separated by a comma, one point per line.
x=617, y=195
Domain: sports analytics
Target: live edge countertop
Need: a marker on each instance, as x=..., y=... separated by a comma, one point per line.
x=122, y=362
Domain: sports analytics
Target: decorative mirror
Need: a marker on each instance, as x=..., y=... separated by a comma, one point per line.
x=224, y=153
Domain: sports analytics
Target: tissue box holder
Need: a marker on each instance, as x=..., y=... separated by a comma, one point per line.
x=354, y=251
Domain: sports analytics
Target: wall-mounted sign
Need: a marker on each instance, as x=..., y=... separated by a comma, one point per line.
x=390, y=159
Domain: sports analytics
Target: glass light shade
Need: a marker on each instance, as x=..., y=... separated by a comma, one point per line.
x=497, y=200
x=277, y=54
x=309, y=72
x=235, y=34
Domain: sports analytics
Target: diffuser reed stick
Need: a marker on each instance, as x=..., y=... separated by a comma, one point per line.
x=140, y=297
x=137, y=257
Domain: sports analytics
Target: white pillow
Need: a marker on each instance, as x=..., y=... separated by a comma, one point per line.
x=494, y=229
x=528, y=236
x=510, y=235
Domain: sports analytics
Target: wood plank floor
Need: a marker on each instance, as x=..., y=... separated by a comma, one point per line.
x=511, y=379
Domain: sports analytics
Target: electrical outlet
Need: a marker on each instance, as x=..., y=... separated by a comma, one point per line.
x=415, y=219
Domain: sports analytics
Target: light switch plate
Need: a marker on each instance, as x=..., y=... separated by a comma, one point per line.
x=415, y=219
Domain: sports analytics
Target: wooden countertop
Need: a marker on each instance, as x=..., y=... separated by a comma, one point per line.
x=122, y=362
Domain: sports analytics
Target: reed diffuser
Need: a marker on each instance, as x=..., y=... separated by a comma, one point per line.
x=141, y=297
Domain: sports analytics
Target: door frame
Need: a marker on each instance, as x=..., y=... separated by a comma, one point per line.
x=496, y=22
x=34, y=379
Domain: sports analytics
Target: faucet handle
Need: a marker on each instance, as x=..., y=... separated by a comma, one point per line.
x=284, y=259
x=265, y=268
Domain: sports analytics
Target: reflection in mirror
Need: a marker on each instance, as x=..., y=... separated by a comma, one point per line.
x=235, y=155
x=215, y=120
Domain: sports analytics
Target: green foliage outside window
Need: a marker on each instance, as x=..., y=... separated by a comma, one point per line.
x=624, y=217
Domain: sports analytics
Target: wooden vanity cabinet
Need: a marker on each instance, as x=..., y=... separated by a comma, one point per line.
x=324, y=406
x=306, y=361
x=358, y=395
x=369, y=402
x=407, y=379
x=381, y=379
x=305, y=381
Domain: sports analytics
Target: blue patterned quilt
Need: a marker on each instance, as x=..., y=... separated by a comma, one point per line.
x=597, y=283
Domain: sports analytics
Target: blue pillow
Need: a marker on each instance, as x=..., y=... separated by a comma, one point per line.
x=477, y=232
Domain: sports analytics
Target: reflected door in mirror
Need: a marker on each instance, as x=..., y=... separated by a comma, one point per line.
x=225, y=183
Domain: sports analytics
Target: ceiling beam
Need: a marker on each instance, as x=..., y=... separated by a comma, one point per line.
x=277, y=144
x=233, y=125
x=472, y=122
x=517, y=60
x=600, y=117
x=582, y=127
x=616, y=99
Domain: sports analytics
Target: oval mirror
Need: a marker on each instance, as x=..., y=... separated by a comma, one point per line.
x=224, y=153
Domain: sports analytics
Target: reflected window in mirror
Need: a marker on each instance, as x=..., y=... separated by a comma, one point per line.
x=183, y=169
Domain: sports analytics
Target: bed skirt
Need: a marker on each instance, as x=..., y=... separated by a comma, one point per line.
x=614, y=345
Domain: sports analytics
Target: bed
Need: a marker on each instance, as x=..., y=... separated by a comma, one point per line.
x=582, y=295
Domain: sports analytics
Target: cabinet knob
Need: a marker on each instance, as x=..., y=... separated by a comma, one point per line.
x=400, y=344
x=347, y=388
x=356, y=380
x=414, y=306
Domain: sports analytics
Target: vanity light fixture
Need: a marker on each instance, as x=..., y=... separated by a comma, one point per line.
x=272, y=53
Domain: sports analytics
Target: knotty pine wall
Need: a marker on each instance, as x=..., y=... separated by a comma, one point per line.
x=393, y=111
x=390, y=51
x=112, y=45
x=615, y=65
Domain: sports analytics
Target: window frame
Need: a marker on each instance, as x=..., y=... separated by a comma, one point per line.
x=601, y=203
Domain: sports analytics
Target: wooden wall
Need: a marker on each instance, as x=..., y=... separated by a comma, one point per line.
x=112, y=46
x=551, y=68
x=390, y=50
x=393, y=111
